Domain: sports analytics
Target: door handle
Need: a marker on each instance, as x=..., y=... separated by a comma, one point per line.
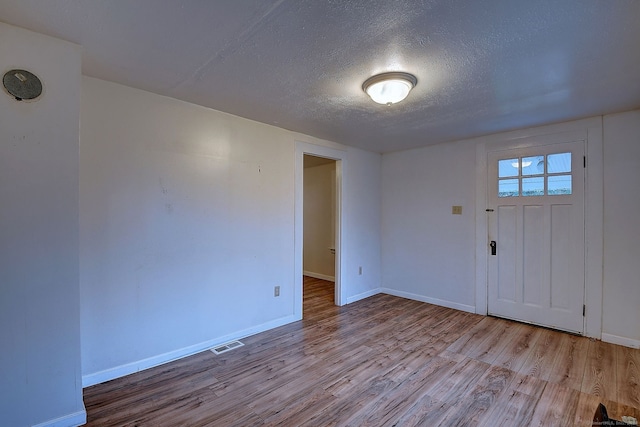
x=493, y=247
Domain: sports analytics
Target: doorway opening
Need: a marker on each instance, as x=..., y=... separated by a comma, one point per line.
x=319, y=228
x=319, y=182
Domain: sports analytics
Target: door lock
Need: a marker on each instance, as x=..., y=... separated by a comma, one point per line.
x=493, y=245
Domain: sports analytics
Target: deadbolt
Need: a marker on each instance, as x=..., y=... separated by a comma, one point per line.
x=493, y=247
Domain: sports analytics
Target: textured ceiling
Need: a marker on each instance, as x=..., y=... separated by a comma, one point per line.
x=482, y=66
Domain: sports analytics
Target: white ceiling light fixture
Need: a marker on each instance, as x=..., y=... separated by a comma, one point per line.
x=389, y=88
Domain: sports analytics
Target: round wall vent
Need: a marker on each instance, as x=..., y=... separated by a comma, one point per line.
x=22, y=84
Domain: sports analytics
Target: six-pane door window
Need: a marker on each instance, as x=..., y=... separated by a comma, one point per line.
x=535, y=176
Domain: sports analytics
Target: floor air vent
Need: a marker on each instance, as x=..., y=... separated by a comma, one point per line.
x=223, y=348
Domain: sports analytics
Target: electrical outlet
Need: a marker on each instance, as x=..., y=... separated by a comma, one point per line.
x=276, y=291
x=456, y=210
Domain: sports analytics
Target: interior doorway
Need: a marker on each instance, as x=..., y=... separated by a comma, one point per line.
x=324, y=256
x=319, y=223
x=319, y=218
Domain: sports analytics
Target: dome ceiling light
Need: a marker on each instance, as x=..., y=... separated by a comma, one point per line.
x=389, y=88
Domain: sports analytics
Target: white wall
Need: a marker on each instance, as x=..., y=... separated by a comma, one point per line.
x=40, y=379
x=621, y=293
x=319, y=221
x=186, y=226
x=362, y=220
x=428, y=253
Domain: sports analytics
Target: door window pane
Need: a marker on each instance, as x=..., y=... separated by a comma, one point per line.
x=533, y=186
x=558, y=184
x=533, y=165
x=508, y=188
x=559, y=163
x=508, y=167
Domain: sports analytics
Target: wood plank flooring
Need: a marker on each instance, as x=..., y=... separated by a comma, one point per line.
x=382, y=361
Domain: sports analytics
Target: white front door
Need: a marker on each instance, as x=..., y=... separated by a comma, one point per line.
x=536, y=219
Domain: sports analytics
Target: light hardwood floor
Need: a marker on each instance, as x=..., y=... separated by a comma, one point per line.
x=382, y=361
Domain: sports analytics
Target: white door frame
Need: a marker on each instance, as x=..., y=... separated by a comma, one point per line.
x=340, y=157
x=589, y=130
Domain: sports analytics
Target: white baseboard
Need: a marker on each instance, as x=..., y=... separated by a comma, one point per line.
x=140, y=365
x=363, y=295
x=71, y=420
x=614, y=339
x=435, y=301
x=319, y=276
